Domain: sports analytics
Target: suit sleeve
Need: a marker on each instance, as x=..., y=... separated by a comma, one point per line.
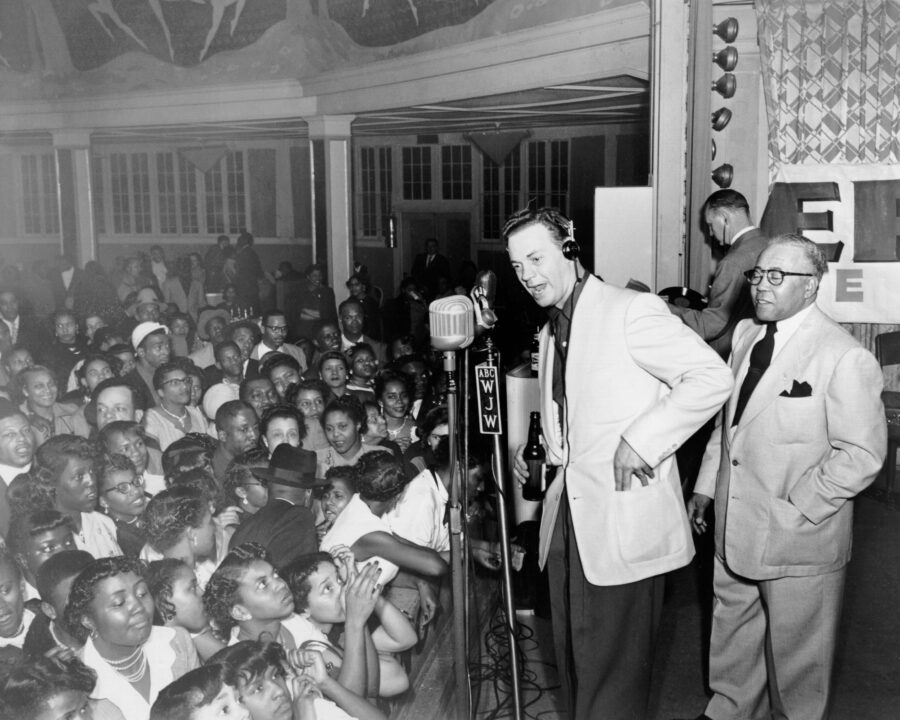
x=699, y=381
x=857, y=434
x=724, y=294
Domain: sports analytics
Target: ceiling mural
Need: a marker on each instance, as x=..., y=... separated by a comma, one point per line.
x=56, y=48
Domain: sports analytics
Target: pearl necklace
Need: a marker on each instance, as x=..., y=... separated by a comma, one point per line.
x=137, y=672
x=394, y=433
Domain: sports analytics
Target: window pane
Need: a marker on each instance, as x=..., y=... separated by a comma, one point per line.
x=187, y=181
x=456, y=172
x=168, y=198
x=31, y=194
x=385, y=177
x=368, y=197
x=119, y=181
x=490, y=209
x=512, y=184
x=559, y=175
x=417, y=173
x=237, y=211
x=215, y=202
x=537, y=178
x=97, y=196
x=140, y=186
x=50, y=204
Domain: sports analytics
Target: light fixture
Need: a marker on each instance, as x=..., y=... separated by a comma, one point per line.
x=726, y=85
x=726, y=58
x=720, y=119
x=723, y=175
x=390, y=231
x=727, y=29
x=713, y=149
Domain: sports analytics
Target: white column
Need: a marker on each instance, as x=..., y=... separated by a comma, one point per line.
x=668, y=138
x=334, y=132
x=79, y=143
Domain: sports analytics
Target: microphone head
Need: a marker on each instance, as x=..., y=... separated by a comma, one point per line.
x=487, y=281
x=452, y=322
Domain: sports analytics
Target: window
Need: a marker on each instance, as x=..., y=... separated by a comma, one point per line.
x=140, y=185
x=226, y=208
x=456, y=172
x=130, y=188
x=501, y=193
x=374, y=196
x=215, y=200
x=97, y=198
x=417, y=173
x=237, y=208
x=39, y=196
x=548, y=174
x=187, y=179
x=121, y=207
x=168, y=193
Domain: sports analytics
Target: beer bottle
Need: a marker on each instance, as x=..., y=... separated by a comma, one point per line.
x=534, y=455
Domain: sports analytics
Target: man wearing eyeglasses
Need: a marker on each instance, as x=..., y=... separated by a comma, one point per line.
x=802, y=435
x=274, y=331
x=726, y=214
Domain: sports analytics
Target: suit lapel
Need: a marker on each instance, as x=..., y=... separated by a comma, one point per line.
x=785, y=366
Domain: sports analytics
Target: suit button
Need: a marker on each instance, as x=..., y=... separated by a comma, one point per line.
x=735, y=463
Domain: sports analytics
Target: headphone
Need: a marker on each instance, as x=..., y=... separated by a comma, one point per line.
x=570, y=249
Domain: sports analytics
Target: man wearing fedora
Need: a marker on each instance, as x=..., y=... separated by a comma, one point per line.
x=285, y=526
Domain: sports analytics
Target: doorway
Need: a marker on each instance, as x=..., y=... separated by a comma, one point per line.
x=453, y=232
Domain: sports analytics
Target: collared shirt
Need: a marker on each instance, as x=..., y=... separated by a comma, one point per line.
x=740, y=233
x=560, y=328
x=13, y=328
x=67, y=277
x=786, y=329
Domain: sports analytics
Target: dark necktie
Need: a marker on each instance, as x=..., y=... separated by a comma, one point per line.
x=760, y=357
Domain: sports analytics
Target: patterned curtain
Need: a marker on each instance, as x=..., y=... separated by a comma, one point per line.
x=832, y=80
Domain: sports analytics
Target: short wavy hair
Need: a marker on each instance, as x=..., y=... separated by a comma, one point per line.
x=379, y=476
x=220, y=595
x=297, y=575
x=248, y=660
x=195, y=689
x=172, y=512
x=350, y=405
x=50, y=460
x=26, y=525
x=28, y=686
x=160, y=577
x=84, y=590
x=239, y=473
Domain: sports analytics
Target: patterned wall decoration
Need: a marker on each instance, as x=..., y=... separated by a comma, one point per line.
x=184, y=32
x=832, y=80
x=387, y=22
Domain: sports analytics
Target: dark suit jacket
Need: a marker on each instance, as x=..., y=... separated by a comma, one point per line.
x=729, y=294
x=286, y=531
x=426, y=276
x=76, y=287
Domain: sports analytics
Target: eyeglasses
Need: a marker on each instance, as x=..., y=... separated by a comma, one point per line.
x=277, y=328
x=125, y=487
x=775, y=276
x=177, y=381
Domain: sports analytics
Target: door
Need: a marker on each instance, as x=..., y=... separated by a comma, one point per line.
x=453, y=232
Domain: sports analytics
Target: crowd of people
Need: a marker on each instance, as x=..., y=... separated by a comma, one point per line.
x=207, y=507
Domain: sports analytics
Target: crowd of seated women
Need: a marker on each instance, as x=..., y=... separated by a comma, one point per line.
x=201, y=517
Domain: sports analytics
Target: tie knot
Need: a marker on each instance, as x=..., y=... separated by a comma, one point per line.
x=771, y=329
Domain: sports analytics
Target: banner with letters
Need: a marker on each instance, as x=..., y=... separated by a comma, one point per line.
x=858, y=206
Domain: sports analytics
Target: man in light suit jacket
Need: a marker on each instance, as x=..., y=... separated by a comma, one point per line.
x=623, y=384
x=784, y=464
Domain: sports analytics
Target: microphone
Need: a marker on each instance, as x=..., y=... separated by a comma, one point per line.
x=484, y=293
x=451, y=322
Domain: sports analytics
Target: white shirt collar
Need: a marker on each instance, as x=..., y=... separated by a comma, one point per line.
x=8, y=473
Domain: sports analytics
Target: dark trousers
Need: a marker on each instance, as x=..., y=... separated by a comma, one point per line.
x=604, y=637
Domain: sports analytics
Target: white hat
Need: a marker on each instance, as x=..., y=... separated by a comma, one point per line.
x=143, y=330
x=217, y=396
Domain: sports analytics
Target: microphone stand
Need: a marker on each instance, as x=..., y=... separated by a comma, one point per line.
x=457, y=565
x=499, y=472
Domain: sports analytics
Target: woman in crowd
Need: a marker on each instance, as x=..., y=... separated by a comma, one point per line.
x=179, y=524
x=174, y=417
x=316, y=302
x=110, y=610
x=51, y=688
x=282, y=424
x=309, y=397
x=333, y=371
x=14, y=616
x=123, y=437
x=34, y=537
x=201, y=694
x=363, y=366
x=48, y=417
x=182, y=334
x=376, y=429
x=178, y=602
x=394, y=394
x=198, y=384
x=92, y=322
x=379, y=483
x=123, y=499
x=242, y=488
x=62, y=479
x=321, y=584
x=275, y=686
x=341, y=487
x=90, y=372
x=358, y=285
x=344, y=424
